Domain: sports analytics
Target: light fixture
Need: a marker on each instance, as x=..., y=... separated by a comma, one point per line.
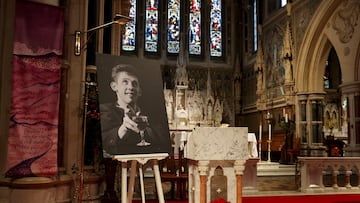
x=77, y=47
x=118, y=19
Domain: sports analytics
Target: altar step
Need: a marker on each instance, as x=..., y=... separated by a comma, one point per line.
x=265, y=168
x=272, y=176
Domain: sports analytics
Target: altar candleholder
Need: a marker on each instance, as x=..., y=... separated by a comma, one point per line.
x=260, y=149
x=269, y=119
x=269, y=150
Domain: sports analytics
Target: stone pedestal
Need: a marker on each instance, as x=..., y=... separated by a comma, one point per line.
x=250, y=175
x=217, y=159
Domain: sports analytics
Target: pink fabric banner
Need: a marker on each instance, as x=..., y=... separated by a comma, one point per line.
x=39, y=29
x=33, y=130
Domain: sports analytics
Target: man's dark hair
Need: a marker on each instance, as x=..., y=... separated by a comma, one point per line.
x=123, y=68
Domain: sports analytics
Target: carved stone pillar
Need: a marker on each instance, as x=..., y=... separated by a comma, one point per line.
x=335, y=175
x=348, y=184
x=351, y=99
x=203, y=172
x=239, y=167
x=310, y=109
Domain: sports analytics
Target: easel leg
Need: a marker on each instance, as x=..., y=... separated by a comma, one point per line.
x=158, y=182
x=123, y=182
x=132, y=180
x=142, y=184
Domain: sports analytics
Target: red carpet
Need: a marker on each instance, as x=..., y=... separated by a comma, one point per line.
x=340, y=198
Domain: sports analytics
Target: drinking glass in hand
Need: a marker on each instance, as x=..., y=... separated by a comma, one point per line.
x=142, y=122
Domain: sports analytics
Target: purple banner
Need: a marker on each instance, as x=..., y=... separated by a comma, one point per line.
x=33, y=129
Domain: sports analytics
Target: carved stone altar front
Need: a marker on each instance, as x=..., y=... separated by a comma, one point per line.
x=217, y=156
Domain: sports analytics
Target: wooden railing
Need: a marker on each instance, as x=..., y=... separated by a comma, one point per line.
x=329, y=174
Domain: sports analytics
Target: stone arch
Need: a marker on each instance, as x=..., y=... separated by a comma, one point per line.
x=357, y=64
x=322, y=34
x=314, y=50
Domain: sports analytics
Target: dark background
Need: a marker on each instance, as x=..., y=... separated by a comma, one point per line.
x=151, y=102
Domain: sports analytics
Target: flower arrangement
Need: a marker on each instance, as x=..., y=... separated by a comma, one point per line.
x=219, y=200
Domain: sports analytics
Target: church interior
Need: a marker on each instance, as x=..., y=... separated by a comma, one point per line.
x=262, y=99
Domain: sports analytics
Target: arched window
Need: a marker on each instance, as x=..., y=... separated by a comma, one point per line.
x=128, y=40
x=195, y=27
x=332, y=74
x=151, y=27
x=255, y=35
x=326, y=76
x=173, y=38
x=215, y=28
x=179, y=13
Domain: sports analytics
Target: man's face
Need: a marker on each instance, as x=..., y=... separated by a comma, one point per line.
x=127, y=88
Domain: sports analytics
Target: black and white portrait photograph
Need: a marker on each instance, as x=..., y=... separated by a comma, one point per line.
x=132, y=107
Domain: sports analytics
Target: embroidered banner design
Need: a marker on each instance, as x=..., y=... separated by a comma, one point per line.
x=33, y=128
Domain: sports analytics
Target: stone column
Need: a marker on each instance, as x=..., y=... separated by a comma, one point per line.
x=7, y=22
x=239, y=167
x=348, y=174
x=311, y=144
x=351, y=94
x=203, y=172
x=335, y=175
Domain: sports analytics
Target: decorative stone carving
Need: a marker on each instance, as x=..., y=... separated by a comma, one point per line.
x=190, y=108
x=218, y=185
x=181, y=77
x=331, y=120
x=287, y=50
x=191, y=99
x=209, y=149
x=259, y=64
x=345, y=20
x=237, y=85
x=218, y=110
x=169, y=104
x=196, y=109
x=211, y=143
x=239, y=167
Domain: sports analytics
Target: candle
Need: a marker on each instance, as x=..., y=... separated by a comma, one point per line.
x=260, y=131
x=284, y=112
x=286, y=118
x=269, y=131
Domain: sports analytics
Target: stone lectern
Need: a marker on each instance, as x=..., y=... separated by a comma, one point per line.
x=217, y=159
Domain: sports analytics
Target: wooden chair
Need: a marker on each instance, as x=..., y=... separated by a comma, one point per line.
x=294, y=152
x=174, y=169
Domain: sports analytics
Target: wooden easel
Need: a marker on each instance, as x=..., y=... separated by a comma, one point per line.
x=127, y=194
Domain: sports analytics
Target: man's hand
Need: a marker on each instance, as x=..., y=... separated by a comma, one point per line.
x=127, y=125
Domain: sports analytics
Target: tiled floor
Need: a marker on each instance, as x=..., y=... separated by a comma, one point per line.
x=266, y=185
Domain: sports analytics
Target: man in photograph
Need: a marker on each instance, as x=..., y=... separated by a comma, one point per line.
x=125, y=128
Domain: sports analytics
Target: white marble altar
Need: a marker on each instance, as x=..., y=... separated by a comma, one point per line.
x=212, y=143
x=211, y=148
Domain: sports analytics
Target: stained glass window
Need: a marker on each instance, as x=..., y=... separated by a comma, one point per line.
x=128, y=39
x=151, y=27
x=173, y=26
x=215, y=28
x=174, y=18
x=326, y=76
x=195, y=27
